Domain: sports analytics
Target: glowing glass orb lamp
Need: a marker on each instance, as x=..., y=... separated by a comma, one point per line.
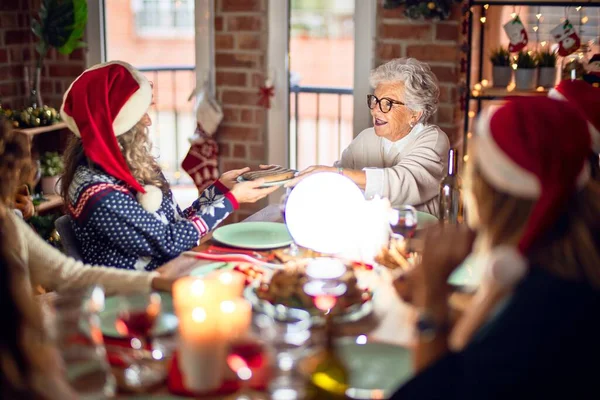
x=321, y=213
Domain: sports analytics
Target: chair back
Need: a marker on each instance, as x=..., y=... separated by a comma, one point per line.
x=67, y=235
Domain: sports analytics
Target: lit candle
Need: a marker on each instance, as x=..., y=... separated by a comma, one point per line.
x=236, y=315
x=230, y=283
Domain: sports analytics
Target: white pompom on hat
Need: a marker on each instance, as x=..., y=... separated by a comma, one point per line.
x=104, y=102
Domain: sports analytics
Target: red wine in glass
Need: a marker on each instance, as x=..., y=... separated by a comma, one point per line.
x=136, y=323
x=406, y=226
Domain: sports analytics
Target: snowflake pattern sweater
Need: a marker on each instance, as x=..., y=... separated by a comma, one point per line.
x=113, y=229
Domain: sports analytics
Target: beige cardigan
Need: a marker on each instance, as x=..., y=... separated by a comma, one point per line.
x=408, y=171
x=52, y=270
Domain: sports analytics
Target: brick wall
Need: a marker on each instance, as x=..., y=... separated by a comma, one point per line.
x=240, y=59
x=17, y=50
x=436, y=43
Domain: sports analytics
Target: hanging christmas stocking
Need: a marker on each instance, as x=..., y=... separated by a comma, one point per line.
x=201, y=162
x=568, y=40
x=515, y=30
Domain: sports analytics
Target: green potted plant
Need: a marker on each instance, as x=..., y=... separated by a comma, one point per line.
x=60, y=24
x=546, y=61
x=525, y=72
x=51, y=165
x=501, y=70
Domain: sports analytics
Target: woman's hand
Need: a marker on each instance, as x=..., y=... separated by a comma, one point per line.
x=445, y=248
x=308, y=172
x=229, y=178
x=24, y=204
x=162, y=284
x=250, y=192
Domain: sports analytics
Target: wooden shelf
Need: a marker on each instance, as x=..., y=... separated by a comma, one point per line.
x=500, y=93
x=43, y=129
x=53, y=202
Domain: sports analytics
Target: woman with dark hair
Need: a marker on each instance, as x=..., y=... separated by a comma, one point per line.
x=531, y=330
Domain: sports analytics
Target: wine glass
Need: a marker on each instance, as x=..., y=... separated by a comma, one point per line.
x=287, y=332
x=136, y=317
x=404, y=222
x=293, y=250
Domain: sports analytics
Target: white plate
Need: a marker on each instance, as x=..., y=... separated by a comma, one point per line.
x=267, y=184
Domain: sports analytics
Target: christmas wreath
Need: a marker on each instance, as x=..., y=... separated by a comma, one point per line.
x=418, y=9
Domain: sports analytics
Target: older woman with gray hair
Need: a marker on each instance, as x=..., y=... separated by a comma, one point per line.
x=401, y=157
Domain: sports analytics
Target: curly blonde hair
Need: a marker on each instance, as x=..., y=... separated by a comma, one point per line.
x=15, y=162
x=135, y=146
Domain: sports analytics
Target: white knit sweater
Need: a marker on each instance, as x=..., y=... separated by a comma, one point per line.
x=52, y=270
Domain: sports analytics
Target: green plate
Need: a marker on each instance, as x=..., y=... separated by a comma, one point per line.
x=254, y=235
x=205, y=269
x=376, y=369
x=424, y=219
x=165, y=324
x=468, y=275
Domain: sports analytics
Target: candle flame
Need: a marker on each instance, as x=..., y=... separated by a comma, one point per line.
x=239, y=366
x=228, y=306
x=325, y=302
x=198, y=314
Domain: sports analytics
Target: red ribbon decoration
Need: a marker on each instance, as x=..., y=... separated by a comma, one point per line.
x=264, y=96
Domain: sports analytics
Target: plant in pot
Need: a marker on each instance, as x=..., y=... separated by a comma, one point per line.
x=546, y=61
x=501, y=70
x=525, y=72
x=51, y=165
x=60, y=25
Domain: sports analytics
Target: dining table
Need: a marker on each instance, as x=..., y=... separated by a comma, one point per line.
x=389, y=322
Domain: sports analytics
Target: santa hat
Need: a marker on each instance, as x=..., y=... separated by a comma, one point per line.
x=586, y=98
x=533, y=148
x=104, y=102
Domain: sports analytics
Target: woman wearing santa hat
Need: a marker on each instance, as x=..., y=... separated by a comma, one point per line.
x=586, y=98
x=122, y=210
x=531, y=330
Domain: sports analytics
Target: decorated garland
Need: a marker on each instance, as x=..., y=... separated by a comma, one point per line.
x=418, y=9
x=31, y=117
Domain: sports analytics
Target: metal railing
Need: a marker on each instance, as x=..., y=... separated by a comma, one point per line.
x=171, y=87
x=295, y=92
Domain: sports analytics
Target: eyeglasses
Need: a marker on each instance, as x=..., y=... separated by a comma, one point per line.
x=385, y=104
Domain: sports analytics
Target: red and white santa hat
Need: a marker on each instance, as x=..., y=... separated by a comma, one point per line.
x=533, y=148
x=104, y=102
x=586, y=98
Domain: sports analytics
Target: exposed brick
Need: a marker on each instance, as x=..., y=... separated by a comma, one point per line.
x=258, y=80
x=218, y=24
x=447, y=94
x=8, y=89
x=445, y=115
x=228, y=60
x=244, y=23
x=19, y=36
x=405, y=31
x=46, y=86
x=431, y=52
x=58, y=87
x=231, y=78
x=28, y=54
x=8, y=20
x=260, y=116
x=387, y=51
x=9, y=5
x=224, y=150
x=228, y=165
x=446, y=31
x=78, y=54
x=239, y=97
x=397, y=12
x=65, y=70
x=3, y=56
x=248, y=41
x=445, y=74
x=239, y=133
x=247, y=116
x=231, y=114
x=452, y=133
x=257, y=153
x=239, y=151
x=11, y=72
x=240, y=5
x=223, y=41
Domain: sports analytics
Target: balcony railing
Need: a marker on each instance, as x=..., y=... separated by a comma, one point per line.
x=320, y=124
x=173, y=120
